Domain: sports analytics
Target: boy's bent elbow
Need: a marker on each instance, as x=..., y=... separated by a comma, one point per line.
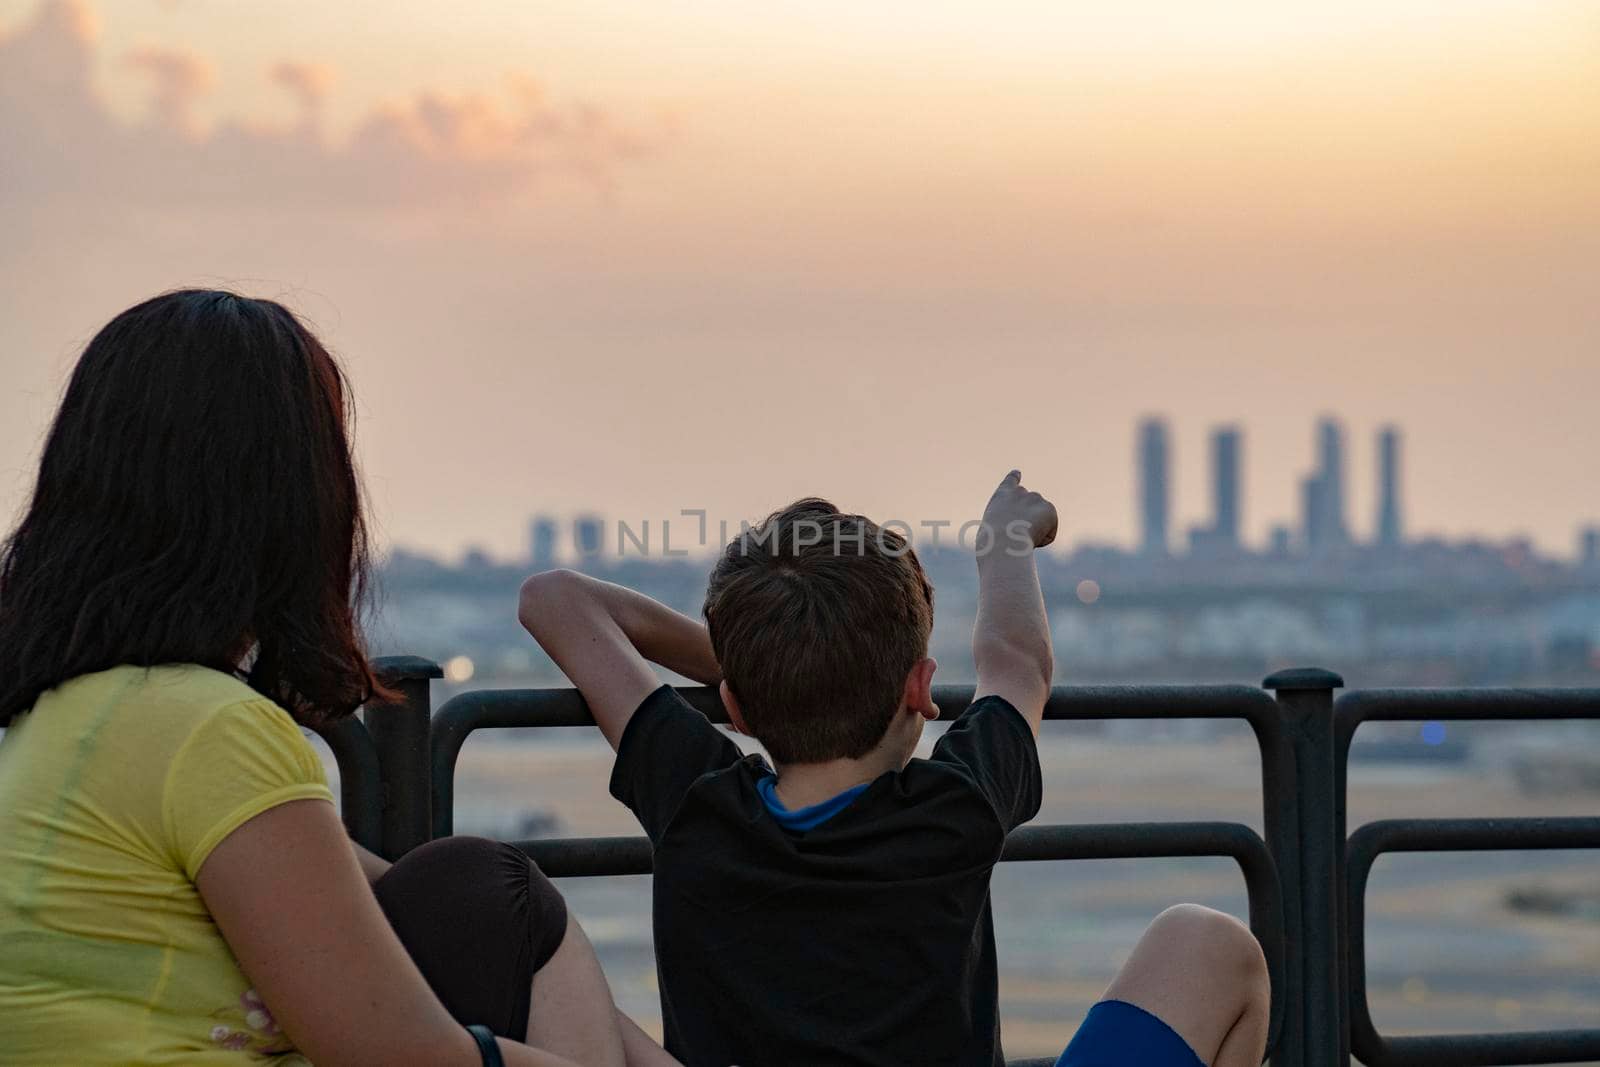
x=538, y=591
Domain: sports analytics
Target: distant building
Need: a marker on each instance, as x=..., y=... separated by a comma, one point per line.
x=542, y=542
x=588, y=536
x=1390, y=534
x=1225, y=485
x=1322, y=493
x=1154, y=490
x=1589, y=546
x=1311, y=519
x=1330, y=448
x=1280, y=541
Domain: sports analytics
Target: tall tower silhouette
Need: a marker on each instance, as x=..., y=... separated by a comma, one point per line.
x=542, y=542
x=1330, y=452
x=1322, y=492
x=588, y=535
x=1390, y=532
x=1225, y=448
x=1154, y=493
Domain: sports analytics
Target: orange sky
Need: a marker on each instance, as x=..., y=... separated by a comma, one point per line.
x=647, y=257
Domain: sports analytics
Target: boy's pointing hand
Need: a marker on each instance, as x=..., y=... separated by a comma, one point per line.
x=1013, y=504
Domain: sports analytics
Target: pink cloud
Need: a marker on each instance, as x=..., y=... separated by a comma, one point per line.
x=179, y=77
x=431, y=149
x=309, y=82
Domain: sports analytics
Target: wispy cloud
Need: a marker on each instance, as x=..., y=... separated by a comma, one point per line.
x=180, y=78
x=309, y=83
x=436, y=147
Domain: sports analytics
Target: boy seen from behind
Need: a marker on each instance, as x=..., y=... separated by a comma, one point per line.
x=834, y=908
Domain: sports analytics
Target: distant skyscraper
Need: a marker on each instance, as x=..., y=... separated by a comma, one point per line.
x=1311, y=516
x=542, y=542
x=1322, y=492
x=588, y=534
x=1330, y=453
x=1153, y=487
x=1225, y=485
x=1589, y=546
x=1389, y=528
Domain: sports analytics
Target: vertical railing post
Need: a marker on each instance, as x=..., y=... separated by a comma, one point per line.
x=1306, y=697
x=400, y=733
x=360, y=781
x=1280, y=825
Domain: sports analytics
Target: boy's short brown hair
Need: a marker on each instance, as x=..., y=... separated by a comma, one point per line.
x=816, y=618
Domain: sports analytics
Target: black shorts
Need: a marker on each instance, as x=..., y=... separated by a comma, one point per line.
x=479, y=919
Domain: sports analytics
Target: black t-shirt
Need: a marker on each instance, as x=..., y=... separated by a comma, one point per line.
x=866, y=940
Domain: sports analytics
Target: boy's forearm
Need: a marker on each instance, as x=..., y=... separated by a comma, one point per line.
x=604, y=638
x=1011, y=638
x=555, y=603
x=663, y=636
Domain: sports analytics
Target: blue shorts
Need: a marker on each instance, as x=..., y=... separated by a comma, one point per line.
x=1117, y=1034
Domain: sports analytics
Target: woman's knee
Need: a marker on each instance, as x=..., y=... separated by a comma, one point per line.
x=480, y=920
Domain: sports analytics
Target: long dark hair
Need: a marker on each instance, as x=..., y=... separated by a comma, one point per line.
x=196, y=496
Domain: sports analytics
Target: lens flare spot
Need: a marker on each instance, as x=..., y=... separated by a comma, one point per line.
x=458, y=669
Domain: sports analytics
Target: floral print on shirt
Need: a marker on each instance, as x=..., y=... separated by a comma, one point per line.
x=260, y=1036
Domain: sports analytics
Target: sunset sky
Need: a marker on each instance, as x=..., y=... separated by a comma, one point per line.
x=642, y=257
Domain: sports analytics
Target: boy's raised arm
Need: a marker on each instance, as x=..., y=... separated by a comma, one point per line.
x=604, y=638
x=1011, y=638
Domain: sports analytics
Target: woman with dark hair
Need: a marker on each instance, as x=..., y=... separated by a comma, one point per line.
x=180, y=597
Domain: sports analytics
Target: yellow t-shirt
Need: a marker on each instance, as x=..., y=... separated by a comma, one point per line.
x=114, y=789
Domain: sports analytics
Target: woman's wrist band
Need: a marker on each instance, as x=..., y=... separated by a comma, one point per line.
x=488, y=1047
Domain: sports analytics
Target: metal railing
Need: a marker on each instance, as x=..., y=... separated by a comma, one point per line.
x=1305, y=882
x=1358, y=1035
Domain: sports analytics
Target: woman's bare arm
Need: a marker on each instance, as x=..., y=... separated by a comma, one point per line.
x=291, y=900
x=373, y=866
x=640, y=1048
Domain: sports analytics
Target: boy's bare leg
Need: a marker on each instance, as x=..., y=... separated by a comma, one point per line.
x=1202, y=973
x=570, y=1011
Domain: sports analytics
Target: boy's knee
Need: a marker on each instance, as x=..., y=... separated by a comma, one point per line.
x=1222, y=945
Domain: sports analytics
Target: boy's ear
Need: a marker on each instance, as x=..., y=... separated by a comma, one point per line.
x=731, y=704
x=918, y=696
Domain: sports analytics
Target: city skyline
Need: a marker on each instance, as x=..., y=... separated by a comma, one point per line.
x=1319, y=529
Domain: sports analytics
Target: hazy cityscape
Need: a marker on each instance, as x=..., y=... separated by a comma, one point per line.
x=1204, y=604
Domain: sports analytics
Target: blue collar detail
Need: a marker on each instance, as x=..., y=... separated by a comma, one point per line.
x=807, y=818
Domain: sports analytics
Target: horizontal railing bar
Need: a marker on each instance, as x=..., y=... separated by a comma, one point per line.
x=577, y=857
x=488, y=709
x=495, y=709
x=1453, y=835
x=1467, y=705
x=1474, y=835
